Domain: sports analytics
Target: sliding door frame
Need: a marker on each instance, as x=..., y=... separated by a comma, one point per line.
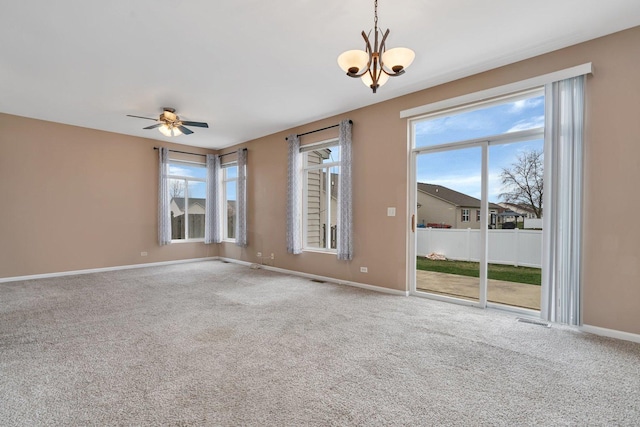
x=484, y=143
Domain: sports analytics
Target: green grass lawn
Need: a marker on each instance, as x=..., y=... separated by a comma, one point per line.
x=507, y=273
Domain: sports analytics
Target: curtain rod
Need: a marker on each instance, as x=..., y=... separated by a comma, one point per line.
x=233, y=152
x=203, y=155
x=318, y=130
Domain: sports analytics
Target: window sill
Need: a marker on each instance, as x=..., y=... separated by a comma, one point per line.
x=320, y=251
x=187, y=241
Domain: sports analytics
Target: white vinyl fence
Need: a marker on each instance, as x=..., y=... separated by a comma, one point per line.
x=511, y=247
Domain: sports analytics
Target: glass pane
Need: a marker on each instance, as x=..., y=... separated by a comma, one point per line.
x=316, y=208
x=193, y=171
x=230, y=194
x=515, y=235
x=231, y=172
x=176, y=203
x=333, y=206
x=322, y=156
x=197, y=191
x=494, y=120
x=448, y=232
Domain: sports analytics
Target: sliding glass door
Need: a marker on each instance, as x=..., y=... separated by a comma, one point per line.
x=477, y=203
x=448, y=241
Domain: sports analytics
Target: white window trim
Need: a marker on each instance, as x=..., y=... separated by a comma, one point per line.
x=186, y=198
x=488, y=95
x=306, y=148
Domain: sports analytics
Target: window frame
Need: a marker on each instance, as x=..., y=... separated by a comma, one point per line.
x=304, y=150
x=466, y=213
x=186, y=180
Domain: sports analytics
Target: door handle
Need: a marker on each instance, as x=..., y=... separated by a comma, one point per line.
x=413, y=223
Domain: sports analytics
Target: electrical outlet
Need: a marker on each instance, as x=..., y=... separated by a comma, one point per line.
x=259, y=254
x=364, y=270
x=144, y=253
x=272, y=256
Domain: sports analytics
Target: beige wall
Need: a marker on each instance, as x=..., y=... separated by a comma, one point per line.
x=380, y=153
x=112, y=172
x=75, y=198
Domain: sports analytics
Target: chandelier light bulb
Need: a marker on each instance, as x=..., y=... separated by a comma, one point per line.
x=382, y=79
x=353, y=61
x=398, y=59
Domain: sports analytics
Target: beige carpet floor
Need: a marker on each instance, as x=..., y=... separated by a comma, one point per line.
x=211, y=343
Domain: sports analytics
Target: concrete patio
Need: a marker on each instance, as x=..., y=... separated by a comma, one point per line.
x=501, y=292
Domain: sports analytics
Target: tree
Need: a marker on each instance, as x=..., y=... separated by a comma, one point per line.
x=176, y=188
x=522, y=183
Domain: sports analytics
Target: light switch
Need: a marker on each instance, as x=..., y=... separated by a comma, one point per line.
x=391, y=211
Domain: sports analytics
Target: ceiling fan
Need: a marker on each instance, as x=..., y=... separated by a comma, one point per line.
x=169, y=124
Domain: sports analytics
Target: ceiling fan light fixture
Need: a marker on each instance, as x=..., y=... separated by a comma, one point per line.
x=176, y=131
x=165, y=130
x=375, y=65
x=169, y=115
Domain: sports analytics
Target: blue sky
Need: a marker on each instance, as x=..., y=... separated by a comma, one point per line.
x=460, y=169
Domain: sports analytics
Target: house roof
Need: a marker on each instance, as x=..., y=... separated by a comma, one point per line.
x=452, y=196
x=192, y=202
x=517, y=207
x=90, y=63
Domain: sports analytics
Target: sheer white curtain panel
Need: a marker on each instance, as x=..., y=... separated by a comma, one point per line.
x=212, y=229
x=562, y=218
x=294, y=203
x=344, y=218
x=241, y=203
x=164, y=215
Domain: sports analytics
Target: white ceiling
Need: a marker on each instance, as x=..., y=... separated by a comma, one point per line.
x=252, y=67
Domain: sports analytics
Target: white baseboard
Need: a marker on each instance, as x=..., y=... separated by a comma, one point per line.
x=611, y=333
x=323, y=278
x=101, y=270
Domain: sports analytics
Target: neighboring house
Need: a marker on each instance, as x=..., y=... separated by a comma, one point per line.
x=522, y=211
x=196, y=206
x=442, y=207
x=316, y=202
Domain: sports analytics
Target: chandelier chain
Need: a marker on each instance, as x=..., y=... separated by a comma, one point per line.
x=375, y=20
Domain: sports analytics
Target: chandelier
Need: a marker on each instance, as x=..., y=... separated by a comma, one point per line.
x=375, y=66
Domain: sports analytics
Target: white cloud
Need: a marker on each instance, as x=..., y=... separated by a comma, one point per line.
x=529, y=123
x=525, y=104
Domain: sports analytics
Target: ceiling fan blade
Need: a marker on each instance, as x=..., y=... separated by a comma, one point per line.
x=184, y=130
x=196, y=124
x=157, y=125
x=140, y=117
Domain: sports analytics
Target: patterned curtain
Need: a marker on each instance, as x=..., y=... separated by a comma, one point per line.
x=294, y=204
x=164, y=216
x=241, y=203
x=562, y=220
x=345, y=217
x=212, y=227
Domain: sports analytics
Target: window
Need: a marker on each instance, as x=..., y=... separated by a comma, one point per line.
x=465, y=215
x=187, y=192
x=321, y=174
x=229, y=190
x=518, y=113
x=477, y=215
